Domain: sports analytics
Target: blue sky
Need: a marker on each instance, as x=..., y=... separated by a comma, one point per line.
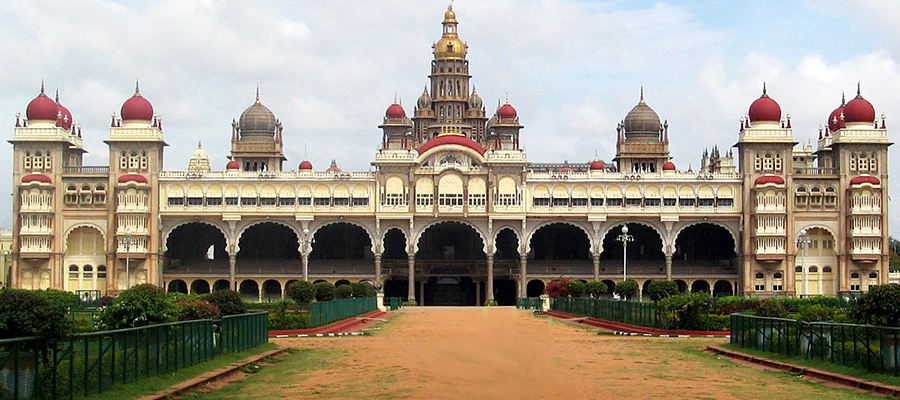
x=328, y=70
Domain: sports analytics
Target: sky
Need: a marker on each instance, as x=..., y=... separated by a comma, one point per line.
x=329, y=69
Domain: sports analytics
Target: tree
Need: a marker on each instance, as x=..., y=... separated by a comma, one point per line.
x=363, y=289
x=880, y=306
x=596, y=289
x=229, y=302
x=343, y=292
x=141, y=305
x=301, y=291
x=658, y=290
x=689, y=308
x=627, y=288
x=30, y=313
x=576, y=288
x=325, y=291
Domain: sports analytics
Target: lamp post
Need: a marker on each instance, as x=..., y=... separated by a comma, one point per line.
x=306, y=241
x=625, y=238
x=127, y=243
x=802, y=242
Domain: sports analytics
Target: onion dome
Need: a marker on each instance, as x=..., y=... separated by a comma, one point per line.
x=668, y=166
x=769, y=179
x=597, y=165
x=836, y=118
x=257, y=120
x=449, y=46
x=36, y=178
x=137, y=108
x=395, y=110
x=424, y=100
x=451, y=139
x=233, y=166
x=42, y=108
x=64, y=115
x=859, y=110
x=132, y=178
x=859, y=180
x=506, y=111
x=333, y=168
x=642, y=119
x=305, y=165
x=475, y=101
x=765, y=109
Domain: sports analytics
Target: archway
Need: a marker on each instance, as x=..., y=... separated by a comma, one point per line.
x=196, y=247
x=722, y=288
x=200, y=286
x=221, y=284
x=271, y=290
x=84, y=250
x=343, y=249
x=268, y=248
x=560, y=248
x=505, y=292
x=610, y=286
x=682, y=285
x=534, y=288
x=396, y=288
x=645, y=251
x=249, y=290
x=177, y=286
x=700, y=286
x=450, y=255
x=704, y=246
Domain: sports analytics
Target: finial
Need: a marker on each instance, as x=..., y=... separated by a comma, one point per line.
x=57, y=95
x=764, y=88
x=642, y=93
x=450, y=6
x=843, y=99
x=858, y=94
x=395, y=98
x=199, y=144
x=137, y=88
x=507, y=97
x=257, y=94
x=42, y=86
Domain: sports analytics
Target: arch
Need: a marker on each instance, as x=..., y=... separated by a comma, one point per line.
x=83, y=225
x=682, y=285
x=506, y=244
x=481, y=235
x=319, y=281
x=613, y=229
x=722, y=288
x=610, y=285
x=810, y=226
x=237, y=240
x=341, y=282
x=192, y=240
x=271, y=290
x=735, y=237
x=700, y=285
x=583, y=228
x=200, y=286
x=559, y=240
x=222, y=229
x=314, y=230
x=221, y=284
x=534, y=288
x=394, y=244
x=177, y=286
x=456, y=243
x=249, y=290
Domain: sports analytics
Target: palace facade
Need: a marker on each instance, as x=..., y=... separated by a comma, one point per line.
x=453, y=212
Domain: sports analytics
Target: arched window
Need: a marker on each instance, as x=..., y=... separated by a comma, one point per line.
x=814, y=269
x=759, y=275
x=873, y=275
x=778, y=275
x=88, y=272
x=101, y=272
x=854, y=275
x=73, y=272
x=826, y=270
x=798, y=269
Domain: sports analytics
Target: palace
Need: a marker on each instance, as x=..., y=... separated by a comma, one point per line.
x=453, y=213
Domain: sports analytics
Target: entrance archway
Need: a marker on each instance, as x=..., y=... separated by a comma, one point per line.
x=85, y=252
x=722, y=288
x=704, y=246
x=700, y=286
x=268, y=248
x=451, y=258
x=196, y=246
x=645, y=252
x=562, y=249
x=534, y=288
x=343, y=249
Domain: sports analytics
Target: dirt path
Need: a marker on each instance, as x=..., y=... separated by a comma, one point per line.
x=503, y=353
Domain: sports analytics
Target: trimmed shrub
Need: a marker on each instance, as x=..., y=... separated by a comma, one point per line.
x=691, y=309
x=658, y=290
x=596, y=289
x=228, y=302
x=301, y=291
x=141, y=305
x=30, y=313
x=191, y=309
x=728, y=305
x=325, y=291
x=815, y=313
x=626, y=288
x=362, y=289
x=880, y=306
x=771, y=308
x=576, y=288
x=65, y=299
x=558, y=288
x=343, y=292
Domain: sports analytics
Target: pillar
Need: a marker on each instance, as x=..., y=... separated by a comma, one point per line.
x=668, y=267
x=111, y=274
x=259, y=291
x=411, y=262
x=378, y=268
x=477, y=292
x=304, y=264
x=232, y=268
x=596, y=257
x=421, y=293
x=790, y=284
x=523, y=264
x=489, y=296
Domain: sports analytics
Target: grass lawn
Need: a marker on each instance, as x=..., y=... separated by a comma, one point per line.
x=153, y=384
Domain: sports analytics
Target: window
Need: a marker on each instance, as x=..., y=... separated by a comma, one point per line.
x=287, y=201
x=686, y=202
x=777, y=288
x=560, y=202
x=478, y=200
x=670, y=202
x=101, y=272
x=777, y=275
x=507, y=199
x=214, y=201
x=360, y=201
x=726, y=202
x=88, y=272
x=757, y=162
x=73, y=272
x=706, y=202
x=176, y=201
x=582, y=202
x=322, y=201
x=768, y=162
x=424, y=199
x=814, y=269
x=873, y=275
x=231, y=201
x=267, y=201
x=798, y=269
x=596, y=202
x=304, y=201
x=854, y=275
x=633, y=202
x=450, y=199
x=826, y=270
x=614, y=202
x=393, y=199
x=854, y=288
x=759, y=288
x=195, y=201
x=341, y=201
x=759, y=275
x=27, y=160
x=248, y=201
x=541, y=201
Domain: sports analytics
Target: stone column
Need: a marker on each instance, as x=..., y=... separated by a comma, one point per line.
x=668, y=267
x=523, y=265
x=411, y=262
x=477, y=293
x=378, y=268
x=304, y=264
x=111, y=274
x=421, y=293
x=489, y=296
x=790, y=281
x=232, y=268
x=596, y=257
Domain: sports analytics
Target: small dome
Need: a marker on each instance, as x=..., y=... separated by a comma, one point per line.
x=36, y=178
x=258, y=119
x=42, y=108
x=132, y=178
x=506, y=111
x=859, y=180
x=233, y=166
x=642, y=119
x=395, y=111
x=199, y=153
x=597, y=165
x=836, y=119
x=137, y=108
x=475, y=101
x=305, y=165
x=859, y=110
x=767, y=179
x=668, y=166
x=765, y=109
x=424, y=100
x=333, y=168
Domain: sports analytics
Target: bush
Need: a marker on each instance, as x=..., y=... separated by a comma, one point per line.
x=228, y=302
x=325, y=291
x=65, y=299
x=718, y=322
x=301, y=291
x=288, y=320
x=409, y=303
x=576, y=288
x=771, y=308
x=363, y=289
x=658, y=290
x=691, y=309
x=30, y=313
x=596, y=289
x=728, y=305
x=190, y=309
x=141, y=305
x=627, y=288
x=815, y=313
x=343, y=292
x=558, y=288
x=880, y=306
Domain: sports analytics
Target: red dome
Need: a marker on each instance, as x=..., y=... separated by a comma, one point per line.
x=137, y=108
x=766, y=179
x=66, y=120
x=506, y=111
x=859, y=180
x=132, y=178
x=835, y=120
x=232, y=165
x=597, y=165
x=395, y=111
x=42, y=108
x=305, y=165
x=40, y=178
x=859, y=110
x=765, y=109
x=669, y=166
x=451, y=139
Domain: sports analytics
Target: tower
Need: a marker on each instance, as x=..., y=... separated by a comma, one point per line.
x=642, y=143
x=256, y=141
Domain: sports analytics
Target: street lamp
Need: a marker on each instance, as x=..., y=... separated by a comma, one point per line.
x=306, y=248
x=128, y=241
x=625, y=238
x=802, y=242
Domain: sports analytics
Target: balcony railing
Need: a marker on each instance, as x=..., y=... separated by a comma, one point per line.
x=86, y=169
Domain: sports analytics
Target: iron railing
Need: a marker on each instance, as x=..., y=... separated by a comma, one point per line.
x=326, y=312
x=530, y=303
x=629, y=312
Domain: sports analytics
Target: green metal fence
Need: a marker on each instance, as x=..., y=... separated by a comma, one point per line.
x=872, y=348
x=326, y=312
x=530, y=303
x=634, y=313
x=91, y=363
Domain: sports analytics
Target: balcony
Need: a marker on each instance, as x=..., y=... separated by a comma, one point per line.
x=86, y=169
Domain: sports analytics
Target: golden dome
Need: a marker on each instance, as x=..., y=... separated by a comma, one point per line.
x=449, y=46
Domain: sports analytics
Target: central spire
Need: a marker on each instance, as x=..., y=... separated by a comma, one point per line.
x=449, y=46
